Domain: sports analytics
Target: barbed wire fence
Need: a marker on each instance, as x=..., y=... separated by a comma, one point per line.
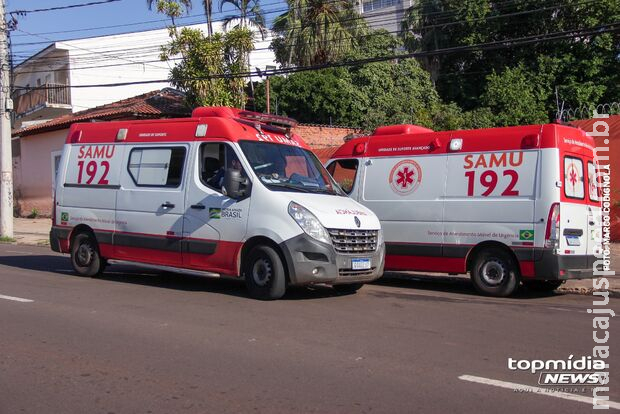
x=587, y=111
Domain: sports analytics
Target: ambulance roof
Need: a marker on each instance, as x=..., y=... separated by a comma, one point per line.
x=403, y=140
x=206, y=123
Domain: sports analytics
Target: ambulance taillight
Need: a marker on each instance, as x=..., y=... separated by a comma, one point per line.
x=552, y=234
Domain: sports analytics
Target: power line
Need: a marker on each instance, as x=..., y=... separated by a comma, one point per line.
x=157, y=46
x=391, y=17
x=361, y=16
x=70, y=6
x=495, y=45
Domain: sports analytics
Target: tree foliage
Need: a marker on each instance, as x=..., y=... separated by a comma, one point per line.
x=582, y=69
x=209, y=67
x=314, y=32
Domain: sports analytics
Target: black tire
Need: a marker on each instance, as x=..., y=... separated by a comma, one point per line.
x=348, y=289
x=542, y=285
x=85, y=256
x=264, y=273
x=495, y=273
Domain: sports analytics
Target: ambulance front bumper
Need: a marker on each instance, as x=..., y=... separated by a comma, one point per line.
x=310, y=261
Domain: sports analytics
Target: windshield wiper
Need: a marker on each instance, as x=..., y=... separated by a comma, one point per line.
x=291, y=186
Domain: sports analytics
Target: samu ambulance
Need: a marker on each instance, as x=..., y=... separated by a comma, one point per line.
x=223, y=193
x=508, y=205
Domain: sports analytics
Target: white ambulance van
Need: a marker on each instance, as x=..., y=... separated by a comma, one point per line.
x=509, y=205
x=223, y=193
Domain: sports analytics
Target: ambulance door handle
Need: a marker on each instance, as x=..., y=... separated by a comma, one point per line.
x=167, y=204
x=198, y=206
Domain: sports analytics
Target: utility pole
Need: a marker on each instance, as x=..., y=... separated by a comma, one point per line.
x=6, y=158
x=267, y=93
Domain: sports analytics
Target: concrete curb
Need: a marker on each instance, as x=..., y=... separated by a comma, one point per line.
x=613, y=293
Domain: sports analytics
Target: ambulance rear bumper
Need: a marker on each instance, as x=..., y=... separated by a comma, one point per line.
x=552, y=266
x=310, y=261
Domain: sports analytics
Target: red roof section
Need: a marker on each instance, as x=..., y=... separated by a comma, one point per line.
x=167, y=103
x=613, y=121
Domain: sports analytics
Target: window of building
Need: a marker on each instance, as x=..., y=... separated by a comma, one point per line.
x=372, y=5
x=344, y=172
x=157, y=167
x=573, y=178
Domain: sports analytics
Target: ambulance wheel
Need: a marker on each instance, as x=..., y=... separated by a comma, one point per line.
x=264, y=273
x=542, y=285
x=348, y=289
x=85, y=256
x=495, y=273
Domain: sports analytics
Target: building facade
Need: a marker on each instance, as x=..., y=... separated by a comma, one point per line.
x=57, y=80
x=384, y=14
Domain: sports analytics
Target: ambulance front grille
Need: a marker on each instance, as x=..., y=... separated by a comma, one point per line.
x=354, y=241
x=353, y=273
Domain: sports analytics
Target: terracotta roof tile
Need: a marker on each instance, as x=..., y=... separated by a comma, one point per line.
x=167, y=103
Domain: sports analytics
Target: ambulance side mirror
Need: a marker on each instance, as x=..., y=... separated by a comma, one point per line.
x=235, y=185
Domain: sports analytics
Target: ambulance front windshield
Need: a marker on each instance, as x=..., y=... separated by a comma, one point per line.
x=288, y=168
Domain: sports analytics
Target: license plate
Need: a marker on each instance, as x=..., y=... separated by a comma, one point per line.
x=573, y=240
x=360, y=264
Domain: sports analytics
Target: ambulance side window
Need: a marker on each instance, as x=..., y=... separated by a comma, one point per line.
x=573, y=178
x=593, y=188
x=156, y=167
x=215, y=159
x=344, y=172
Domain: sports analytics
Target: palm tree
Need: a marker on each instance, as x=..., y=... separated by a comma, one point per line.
x=250, y=15
x=207, y=5
x=315, y=32
x=420, y=31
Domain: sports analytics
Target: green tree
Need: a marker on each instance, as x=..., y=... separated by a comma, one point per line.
x=366, y=96
x=211, y=68
x=249, y=14
x=513, y=96
x=168, y=6
x=314, y=32
x=583, y=69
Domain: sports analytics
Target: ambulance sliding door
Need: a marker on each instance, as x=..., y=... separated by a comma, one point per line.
x=150, y=205
x=406, y=193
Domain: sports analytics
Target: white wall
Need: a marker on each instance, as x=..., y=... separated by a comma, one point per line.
x=130, y=57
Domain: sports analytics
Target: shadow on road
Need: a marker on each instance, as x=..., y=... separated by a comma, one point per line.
x=448, y=284
x=155, y=278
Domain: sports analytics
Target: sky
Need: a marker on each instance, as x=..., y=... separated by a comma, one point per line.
x=35, y=31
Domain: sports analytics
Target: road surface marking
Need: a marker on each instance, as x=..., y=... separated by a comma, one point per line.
x=15, y=298
x=538, y=390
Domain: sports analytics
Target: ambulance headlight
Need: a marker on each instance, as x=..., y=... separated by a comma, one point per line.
x=308, y=222
x=380, y=238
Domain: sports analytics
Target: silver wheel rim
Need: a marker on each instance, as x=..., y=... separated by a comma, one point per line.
x=84, y=254
x=493, y=272
x=262, y=272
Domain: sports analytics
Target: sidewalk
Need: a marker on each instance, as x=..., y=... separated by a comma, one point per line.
x=36, y=232
x=32, y=231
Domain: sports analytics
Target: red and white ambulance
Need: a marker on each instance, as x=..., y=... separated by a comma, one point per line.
x=508, y=205
x=223, y=193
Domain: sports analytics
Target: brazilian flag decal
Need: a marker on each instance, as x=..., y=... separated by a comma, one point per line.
x=215, y=213
x=526, y=235
x=64, y=216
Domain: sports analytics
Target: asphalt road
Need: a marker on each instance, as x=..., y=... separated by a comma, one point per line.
x=147, y=342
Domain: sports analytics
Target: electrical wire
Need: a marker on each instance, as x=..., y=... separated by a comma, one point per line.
x=495, y=45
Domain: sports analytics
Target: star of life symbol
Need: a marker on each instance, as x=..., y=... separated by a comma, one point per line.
x=573, y=175
x=405, y=177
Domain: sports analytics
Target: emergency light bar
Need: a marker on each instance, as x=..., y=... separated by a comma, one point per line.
x=268, y=119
